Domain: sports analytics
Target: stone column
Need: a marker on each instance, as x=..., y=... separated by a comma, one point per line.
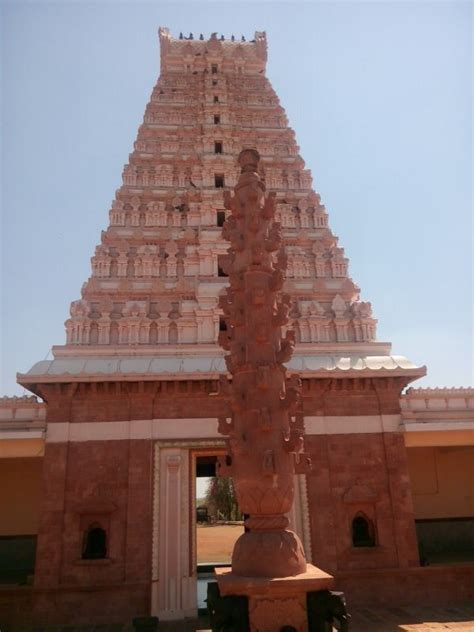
x=265, y=446
x=175, y=596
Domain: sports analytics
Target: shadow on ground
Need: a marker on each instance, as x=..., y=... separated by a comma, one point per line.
x=401, y=619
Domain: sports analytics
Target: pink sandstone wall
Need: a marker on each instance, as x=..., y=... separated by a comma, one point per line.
x=108, y=482
x=424, y=586
x=360, y=473
x=366, y=473
x=115, y=401
x=111, y=480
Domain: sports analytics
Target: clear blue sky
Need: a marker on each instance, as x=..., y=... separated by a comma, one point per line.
x=379, y=94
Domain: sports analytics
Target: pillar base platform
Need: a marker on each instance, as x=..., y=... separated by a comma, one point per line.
x=275, y=602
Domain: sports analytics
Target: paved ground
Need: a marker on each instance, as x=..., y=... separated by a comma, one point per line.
x=402, y=619
x=413, y=619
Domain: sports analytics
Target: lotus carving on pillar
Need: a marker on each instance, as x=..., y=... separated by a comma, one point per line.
x=265, y=427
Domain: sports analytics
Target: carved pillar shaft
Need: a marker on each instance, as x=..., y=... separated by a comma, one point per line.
x=265, y=431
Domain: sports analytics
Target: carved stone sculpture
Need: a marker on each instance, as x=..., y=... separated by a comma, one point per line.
x=265, y=431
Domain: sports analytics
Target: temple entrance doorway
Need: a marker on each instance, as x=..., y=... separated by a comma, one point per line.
x=218, y=523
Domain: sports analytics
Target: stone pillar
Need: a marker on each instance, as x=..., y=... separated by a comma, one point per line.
x=265, y=446
x=174, y=597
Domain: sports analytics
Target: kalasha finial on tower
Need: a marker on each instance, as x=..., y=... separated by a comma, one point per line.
x=265, y=429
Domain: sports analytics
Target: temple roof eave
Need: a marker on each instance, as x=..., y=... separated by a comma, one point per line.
x=127, y=369
x=195, y=350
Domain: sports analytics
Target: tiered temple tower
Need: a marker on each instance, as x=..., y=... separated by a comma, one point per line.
x=156, y=274
x=134, y=396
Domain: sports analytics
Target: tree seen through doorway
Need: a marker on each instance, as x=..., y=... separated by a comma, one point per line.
x=221, y=499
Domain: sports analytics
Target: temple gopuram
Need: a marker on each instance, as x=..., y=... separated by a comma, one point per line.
x=99, y=465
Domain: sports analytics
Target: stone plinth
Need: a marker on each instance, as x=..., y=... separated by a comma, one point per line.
x=275, y=602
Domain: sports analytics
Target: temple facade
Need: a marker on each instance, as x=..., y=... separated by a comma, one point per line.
x=132, y=401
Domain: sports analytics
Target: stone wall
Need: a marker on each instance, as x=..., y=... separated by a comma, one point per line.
x=430, y=585
x=95, y=471
x=94, y=482
x=360, y=475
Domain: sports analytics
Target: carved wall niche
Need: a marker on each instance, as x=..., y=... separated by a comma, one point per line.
x=363, y=531
x=83, y=523
x=360, y=530
x=95, y=529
